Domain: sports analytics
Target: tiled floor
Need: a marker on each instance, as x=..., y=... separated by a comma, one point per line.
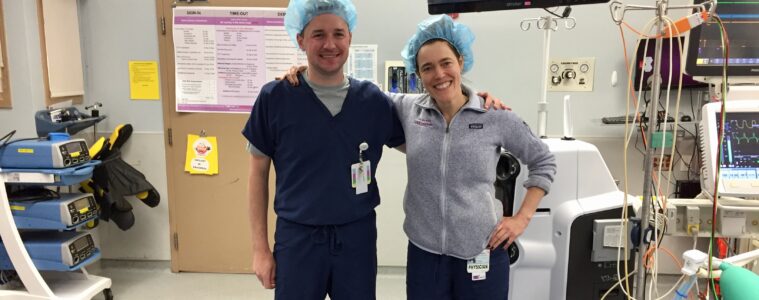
x=155, y=281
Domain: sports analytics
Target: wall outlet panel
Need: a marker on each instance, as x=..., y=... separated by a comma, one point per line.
x=571, y=74
x=739, y=220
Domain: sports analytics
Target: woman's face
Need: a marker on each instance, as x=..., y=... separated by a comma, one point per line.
x=440, y=70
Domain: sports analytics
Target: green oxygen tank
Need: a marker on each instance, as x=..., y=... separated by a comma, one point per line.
x=737, y=283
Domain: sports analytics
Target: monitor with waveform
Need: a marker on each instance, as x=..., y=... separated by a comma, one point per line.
x=738, y=159
x=705, y=57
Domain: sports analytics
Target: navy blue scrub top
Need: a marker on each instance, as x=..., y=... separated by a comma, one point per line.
x=312, y=151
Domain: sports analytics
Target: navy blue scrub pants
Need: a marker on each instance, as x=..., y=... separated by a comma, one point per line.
x=335, y=260
x=442, y=277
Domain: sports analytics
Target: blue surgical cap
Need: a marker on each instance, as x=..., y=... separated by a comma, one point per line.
x=440, y=27
x=300, y=12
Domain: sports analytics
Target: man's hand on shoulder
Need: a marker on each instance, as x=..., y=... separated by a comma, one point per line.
x=292, y=75
x=492, y=101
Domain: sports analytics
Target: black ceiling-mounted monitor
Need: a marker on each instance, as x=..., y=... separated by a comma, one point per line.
x=461, y=6
x=705, y=58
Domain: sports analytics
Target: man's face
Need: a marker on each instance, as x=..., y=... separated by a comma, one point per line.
x=326, y=40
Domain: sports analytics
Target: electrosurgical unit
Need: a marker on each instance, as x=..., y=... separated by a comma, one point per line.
x=57, y=151
x=55, y=251
x=66, y=212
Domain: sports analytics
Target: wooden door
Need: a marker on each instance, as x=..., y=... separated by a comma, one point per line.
x=208, y=214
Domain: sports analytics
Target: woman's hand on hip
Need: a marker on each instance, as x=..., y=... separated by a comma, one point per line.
x=508, y=230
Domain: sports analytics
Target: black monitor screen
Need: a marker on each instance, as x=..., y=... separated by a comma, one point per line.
x=646, y=64
x=461, y=6
x=741, y=20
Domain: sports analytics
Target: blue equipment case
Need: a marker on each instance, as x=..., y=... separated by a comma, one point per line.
x=56, y=151
x=56, y=251
x=67, y=212
x=55, y=177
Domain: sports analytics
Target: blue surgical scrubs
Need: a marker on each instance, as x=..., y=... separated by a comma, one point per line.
x=443, y=277
x=325, y=241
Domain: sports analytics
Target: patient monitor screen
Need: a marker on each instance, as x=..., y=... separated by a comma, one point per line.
x=740, y=150
x=741, y=19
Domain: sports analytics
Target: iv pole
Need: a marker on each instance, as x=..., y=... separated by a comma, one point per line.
x=661, y=8
x=547, y=24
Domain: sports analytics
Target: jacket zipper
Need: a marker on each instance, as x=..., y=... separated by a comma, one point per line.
x=443, y=170
x=443, y=164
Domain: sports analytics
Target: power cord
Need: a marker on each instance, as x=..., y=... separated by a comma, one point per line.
x=7, y=137
x=564, y=14
x=32, y=194
x=8, y=276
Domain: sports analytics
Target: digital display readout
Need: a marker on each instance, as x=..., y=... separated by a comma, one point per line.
x=73, y=147
x=82, y=203
x=81, y=244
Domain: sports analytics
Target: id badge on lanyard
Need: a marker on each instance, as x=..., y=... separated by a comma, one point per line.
x=361, y=172
x=479, y=265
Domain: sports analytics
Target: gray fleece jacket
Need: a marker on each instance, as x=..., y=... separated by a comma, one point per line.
x=449, y=202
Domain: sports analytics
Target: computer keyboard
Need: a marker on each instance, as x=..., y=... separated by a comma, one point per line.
x=630, y=119
x=617, y=120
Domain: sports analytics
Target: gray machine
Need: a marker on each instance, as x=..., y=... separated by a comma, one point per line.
x=557, y=249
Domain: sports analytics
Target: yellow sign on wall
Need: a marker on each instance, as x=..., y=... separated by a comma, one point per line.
x=143, y=80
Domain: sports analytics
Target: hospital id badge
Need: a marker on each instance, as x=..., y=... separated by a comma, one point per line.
x=479, y=276
x=361, y=176
x=480, y=264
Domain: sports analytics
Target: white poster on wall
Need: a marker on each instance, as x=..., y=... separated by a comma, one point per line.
x=362, y=63
x=224, y=56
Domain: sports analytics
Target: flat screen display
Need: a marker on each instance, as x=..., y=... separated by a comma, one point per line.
x=461, y=6
x=740, y=149
x=741, y=20
x=737, y=157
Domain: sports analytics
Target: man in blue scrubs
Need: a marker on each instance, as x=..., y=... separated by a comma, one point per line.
x=325, y=139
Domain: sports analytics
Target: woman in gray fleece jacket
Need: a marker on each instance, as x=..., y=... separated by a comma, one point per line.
x=458, y=238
